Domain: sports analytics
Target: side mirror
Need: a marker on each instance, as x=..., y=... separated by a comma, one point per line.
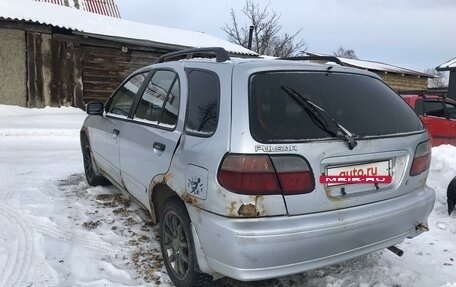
x=95, y=108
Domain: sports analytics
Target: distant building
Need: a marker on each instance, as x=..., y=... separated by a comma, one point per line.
x=451, y=67
x=400, y=79
x=102, y=7
x=52, y=55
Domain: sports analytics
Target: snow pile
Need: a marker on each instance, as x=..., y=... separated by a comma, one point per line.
x=17, y=121
x=58, y=231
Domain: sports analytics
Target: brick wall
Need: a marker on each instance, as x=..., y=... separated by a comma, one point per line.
x=13, y=90
x=404, y=83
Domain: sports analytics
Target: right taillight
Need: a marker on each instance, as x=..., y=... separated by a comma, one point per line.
x=265, y=175
x=294, y=173
x=422, y=158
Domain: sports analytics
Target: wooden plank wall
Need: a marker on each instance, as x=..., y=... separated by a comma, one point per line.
x=105, y=68
x=54, y=72
x=63, y=72
x=405, y=82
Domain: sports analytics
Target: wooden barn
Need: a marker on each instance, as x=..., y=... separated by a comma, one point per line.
x=53, y=55
x=401, y=79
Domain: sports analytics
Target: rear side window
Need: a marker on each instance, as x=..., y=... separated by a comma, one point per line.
x=363, y=105
x=123, y=99
x=434, y=108
x=203, y=102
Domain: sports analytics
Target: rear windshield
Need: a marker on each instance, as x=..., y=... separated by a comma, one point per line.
x=363, y=105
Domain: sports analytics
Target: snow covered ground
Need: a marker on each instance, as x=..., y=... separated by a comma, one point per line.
x=55, y=230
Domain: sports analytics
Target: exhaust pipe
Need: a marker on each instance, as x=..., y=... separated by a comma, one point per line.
x=396, y=250
x=421, y=228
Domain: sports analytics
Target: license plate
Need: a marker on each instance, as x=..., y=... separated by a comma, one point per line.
x=375, y=172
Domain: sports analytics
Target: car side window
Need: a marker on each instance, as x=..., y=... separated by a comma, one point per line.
x=159, y=103
x=419, y=107
x=203, y=102
x=451, y=110
x=123, y=99
x=434, y=108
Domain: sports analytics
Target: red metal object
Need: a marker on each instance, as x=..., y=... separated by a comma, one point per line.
x=59, y=2
x=102, y=7
x=438, y=114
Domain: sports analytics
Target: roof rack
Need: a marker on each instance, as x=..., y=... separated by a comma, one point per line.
x=220, y=54
x=314, y=58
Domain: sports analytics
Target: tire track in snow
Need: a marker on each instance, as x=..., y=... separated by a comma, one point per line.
x=54, y=231
x=82, y=240
x=51, y=189
x=42, y=275
x=20, y=257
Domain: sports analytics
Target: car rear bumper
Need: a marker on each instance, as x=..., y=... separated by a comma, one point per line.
x=270, y=247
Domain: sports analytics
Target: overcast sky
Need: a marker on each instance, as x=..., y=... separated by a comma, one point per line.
x=415, y=34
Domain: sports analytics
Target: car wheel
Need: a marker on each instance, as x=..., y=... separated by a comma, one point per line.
x=92, y=176
x=177, y=247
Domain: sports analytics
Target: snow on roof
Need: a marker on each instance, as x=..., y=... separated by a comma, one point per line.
x=104, y=26
x=377, y=66
x=450, y=65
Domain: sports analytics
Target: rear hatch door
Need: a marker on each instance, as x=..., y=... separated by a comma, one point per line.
x=385, y=128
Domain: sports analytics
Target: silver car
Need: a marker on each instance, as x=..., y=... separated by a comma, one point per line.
x=257, y=168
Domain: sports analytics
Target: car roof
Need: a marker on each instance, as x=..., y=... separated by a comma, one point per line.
x=265, y=63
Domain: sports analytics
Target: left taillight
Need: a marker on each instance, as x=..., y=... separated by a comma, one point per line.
x=248, y=174
x=422, y=158
x=266, y=175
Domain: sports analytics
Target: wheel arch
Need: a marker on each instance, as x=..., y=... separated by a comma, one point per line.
x=84, y=135
x=161, y=192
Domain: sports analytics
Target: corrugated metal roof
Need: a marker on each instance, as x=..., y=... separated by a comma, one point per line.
x=450, y=65
x=93, y=24
x=377, y=66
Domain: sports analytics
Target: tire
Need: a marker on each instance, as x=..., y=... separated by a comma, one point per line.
x=90, y=170
x=177, y=246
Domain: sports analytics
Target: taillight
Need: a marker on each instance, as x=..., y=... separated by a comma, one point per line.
x=258, y=175
x=248, y=174
x=422, y=158
x=294, y=173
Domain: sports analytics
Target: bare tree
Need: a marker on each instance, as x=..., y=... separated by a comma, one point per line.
x=267, y=39
x=440, y=79
x=345, y=53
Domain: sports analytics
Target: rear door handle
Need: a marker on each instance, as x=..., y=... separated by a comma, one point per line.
x=115, y=132
x=159, y=146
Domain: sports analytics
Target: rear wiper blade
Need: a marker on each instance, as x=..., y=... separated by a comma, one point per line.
x=317, y=114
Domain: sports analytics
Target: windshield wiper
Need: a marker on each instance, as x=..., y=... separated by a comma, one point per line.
x=318, y=114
